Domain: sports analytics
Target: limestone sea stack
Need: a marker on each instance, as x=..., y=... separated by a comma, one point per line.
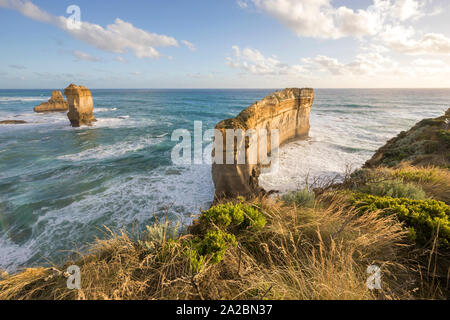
x=287, y=111
x=81, y=105
x=55, y=104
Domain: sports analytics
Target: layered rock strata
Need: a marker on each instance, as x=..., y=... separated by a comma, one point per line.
x=81, y=105
x=55, y=104
x=287, y=112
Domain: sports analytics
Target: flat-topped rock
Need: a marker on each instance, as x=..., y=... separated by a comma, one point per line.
x=13, y=122
x=81, y=105
x=55, y=104
x=287, y=111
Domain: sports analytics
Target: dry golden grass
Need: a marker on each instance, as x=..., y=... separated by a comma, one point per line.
x=318, y=253
x=434, y=181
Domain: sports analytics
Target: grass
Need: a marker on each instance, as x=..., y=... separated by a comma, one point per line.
x=406, y=181
x=300, y=253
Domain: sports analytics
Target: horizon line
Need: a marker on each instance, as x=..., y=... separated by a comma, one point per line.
x=274, y=88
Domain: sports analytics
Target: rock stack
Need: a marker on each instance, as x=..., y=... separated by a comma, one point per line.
x=55, y=104
x=81, y=105
x=286, y=111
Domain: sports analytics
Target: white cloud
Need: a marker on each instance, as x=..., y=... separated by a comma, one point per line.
x=383, y=22
x=80, y=55
x=120, y=59
x=406, y=9
x=28, y=9
x=320, y=19
x=17, y=66
x=404, y=40
x=370, y=63
x=373, y=65
x=430, y=63
x=188, y=44
x=117, y=37
x=253, y=61
x=366, y=64
x=242, y=3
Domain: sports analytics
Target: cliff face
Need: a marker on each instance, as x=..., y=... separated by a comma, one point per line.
x=55, y=104
x=81, y=105
x=427, y=143
x=287, y=111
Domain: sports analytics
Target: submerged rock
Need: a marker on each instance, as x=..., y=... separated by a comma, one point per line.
x=81, y=105
x=287, y=111
x=13, y=122
x=55, y=104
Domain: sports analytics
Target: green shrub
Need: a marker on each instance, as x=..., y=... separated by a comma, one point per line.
x=395, y=189
x=213, y=245
x=158, y=234
x=444, y=136
x=240, y=215
x=217, y=225
x=422, y=217
x=302, y=198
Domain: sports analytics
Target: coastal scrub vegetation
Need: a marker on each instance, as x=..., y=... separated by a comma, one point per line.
x=294, y=252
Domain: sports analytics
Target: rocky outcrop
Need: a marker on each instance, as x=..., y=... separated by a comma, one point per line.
x=427, y=143
x=81, y=105
x=287, y=111
x=55, y=104
x=13, y=122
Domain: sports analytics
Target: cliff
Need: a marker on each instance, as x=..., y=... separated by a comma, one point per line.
x=286, y=111
x=427, y=143
x=81, y=105
x=55, y=104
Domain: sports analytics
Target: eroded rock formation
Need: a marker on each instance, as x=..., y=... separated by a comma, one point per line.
x=287, y=111
x=55, y=104
x=81, y=105
x=13, y=122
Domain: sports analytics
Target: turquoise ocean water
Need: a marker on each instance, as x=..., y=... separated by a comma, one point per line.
x=59, y=186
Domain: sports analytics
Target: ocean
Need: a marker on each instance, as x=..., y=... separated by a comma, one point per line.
x=60, y=186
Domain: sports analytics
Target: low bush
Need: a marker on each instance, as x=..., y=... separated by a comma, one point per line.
x=423, y=217
x=212, y=246
x=302, y=198
x=238, y=215
x=444, y=136
x=395, y=189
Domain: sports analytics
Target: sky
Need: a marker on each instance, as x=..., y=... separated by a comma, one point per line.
x=225, y=43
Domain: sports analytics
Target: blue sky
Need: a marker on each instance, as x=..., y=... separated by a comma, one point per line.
x=225, y=44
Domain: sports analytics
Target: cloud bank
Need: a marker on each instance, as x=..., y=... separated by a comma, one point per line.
x=118, y=37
